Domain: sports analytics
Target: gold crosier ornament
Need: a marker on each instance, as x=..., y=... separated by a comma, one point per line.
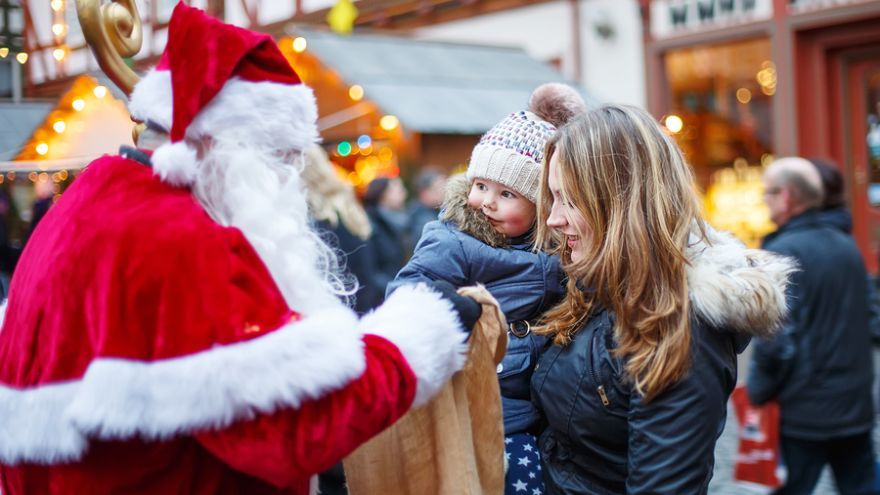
x=113, y=31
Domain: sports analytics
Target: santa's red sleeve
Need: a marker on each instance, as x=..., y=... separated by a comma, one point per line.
x=292, y=444
x=395, y=364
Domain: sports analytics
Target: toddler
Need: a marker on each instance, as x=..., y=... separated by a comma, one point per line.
x=484, y=236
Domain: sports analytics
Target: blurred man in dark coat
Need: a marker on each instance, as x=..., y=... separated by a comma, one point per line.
x=819, y=365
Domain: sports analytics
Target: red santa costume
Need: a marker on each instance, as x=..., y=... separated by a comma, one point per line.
x=175, y=329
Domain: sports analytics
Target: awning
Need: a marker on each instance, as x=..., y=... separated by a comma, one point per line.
x=434, y=87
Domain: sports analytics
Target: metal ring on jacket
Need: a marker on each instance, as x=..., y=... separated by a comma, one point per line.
x=520, y=328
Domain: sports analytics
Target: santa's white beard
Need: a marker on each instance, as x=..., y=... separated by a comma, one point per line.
x=261, y=194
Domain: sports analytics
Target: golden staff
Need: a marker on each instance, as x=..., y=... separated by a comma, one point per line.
x=113, y=31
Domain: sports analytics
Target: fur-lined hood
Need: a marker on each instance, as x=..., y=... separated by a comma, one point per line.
x=470, y=221
x=737, y=288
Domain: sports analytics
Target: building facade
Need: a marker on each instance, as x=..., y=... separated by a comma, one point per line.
x=741, y=81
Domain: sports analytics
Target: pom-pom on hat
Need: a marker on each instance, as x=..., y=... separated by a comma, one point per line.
x=222, y=81
x=512, y=151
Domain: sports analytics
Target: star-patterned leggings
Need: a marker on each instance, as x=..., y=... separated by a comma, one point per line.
x=523, y=465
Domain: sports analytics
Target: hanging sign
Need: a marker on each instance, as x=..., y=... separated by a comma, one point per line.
x=342, y=16
x=671, y=18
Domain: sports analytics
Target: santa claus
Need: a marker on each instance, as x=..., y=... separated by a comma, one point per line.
x=174, y=325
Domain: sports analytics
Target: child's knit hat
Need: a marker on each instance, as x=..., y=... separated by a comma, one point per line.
x=511, y=153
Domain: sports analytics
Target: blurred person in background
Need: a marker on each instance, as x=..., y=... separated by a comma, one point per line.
x=430, y=187
x=389, y=245
x=42, y=202
x=7, y=252
x=819, y=365
x=341, y=221
x=344, y=224
x=833, y=210
x=835, y=213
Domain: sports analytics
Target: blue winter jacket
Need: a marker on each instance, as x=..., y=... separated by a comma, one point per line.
x=463, y=249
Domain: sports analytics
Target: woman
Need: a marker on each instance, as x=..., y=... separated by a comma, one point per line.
x=634, y=389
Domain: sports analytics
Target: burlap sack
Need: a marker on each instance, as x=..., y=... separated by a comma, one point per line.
x=453, y=445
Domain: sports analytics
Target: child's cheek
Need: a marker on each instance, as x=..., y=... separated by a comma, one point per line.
x=474, y=202
x=517, y=225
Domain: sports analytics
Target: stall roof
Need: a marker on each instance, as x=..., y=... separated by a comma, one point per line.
x=18, y=120
x=434, y=87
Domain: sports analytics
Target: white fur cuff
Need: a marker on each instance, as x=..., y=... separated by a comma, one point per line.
x=426, y=329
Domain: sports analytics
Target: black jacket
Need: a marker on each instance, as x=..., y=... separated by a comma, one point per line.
x=386, y=247
x=354, y=259
x=841, y=219
x=820, y=366
x=601, y=437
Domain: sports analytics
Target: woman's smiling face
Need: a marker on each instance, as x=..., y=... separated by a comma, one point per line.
x=565, y=217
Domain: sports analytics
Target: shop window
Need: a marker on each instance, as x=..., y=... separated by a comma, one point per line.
x=720, y=99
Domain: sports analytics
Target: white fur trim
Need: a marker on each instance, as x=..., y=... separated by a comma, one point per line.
x=151, y=98
x=735, y=287
x=119, y=399
x=267, y=114
x=426, y=329
x=271, y=116
x=175, y=163
x=33, y=428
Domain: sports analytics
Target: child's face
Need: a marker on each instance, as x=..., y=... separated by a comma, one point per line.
x=509, y=212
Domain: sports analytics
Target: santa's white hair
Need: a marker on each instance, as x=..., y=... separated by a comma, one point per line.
x=261, y=193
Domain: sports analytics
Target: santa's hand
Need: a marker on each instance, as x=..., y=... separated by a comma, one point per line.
x=468, y=310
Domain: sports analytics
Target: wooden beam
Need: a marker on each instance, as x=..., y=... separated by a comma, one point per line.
x=216, y=8
x=29, y=45
x=410, y=14
x=576, y=40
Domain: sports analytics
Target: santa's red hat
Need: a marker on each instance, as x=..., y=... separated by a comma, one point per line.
x=224, y=82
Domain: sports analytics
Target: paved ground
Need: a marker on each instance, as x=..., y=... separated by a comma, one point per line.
x=725, y=453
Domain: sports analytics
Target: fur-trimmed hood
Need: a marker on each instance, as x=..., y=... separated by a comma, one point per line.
x=470, y=221
x=737, y=288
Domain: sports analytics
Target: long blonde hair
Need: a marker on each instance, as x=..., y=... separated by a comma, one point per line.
x=330, y=199
x=636, y=194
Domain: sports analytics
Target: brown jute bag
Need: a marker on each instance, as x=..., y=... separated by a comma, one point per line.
x=453, y=445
